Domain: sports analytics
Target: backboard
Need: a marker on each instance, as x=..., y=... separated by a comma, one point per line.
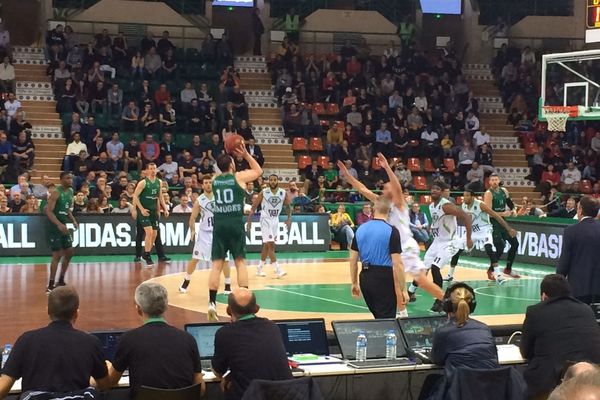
x=571, y=80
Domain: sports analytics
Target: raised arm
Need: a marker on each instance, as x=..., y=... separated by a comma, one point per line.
x=249, y=175
x=356, y=184
x=398, y=195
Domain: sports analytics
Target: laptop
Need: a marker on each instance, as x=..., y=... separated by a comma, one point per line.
x=305, y=341
x=418, y=334
x=376, y=330
x=204, y=334
x=109, y=341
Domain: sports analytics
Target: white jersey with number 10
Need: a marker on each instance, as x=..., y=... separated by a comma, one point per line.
x=272, y=203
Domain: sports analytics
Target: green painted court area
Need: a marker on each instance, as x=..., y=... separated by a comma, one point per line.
x=513, y=297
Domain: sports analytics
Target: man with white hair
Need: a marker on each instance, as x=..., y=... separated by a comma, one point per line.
x=584, y=386
x=156, y=354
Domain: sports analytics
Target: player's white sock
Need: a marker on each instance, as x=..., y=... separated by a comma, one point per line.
x=275, y=265
x=412, y=288
x=188, y=277
x=402, y=313
x=497, y=272
x=228, y=281
x=261, y=263
x=451, y=272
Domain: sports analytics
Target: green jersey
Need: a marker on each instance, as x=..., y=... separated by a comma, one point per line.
x=498, y=204
x=63, y=204
x=149, y=195
x=229, y=199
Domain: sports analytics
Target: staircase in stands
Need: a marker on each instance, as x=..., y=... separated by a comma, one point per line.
x=265, y=118
x=34, y=91
x=508, y=155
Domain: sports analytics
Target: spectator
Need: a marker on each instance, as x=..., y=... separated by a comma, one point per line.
x=594, y=143
x=556, y=330
x=183, y=206
x=255, y=151
x=419, y=225
x=167, y=118
x=164, y=44
x=167, y=146
x=31, y=205
x=132, y=155
x=351, y=171
x=570, y=178
x=475, y=177
x=187, y=167
x=472, y=123
x=138, y=66
x=583, y=386
x=119, y=186
x=250, y=347
x=148, y=120
x=383, y=137
x=103, y=163
x=481, y=138
x=187, y=94
x=98, y=146
x=466, y=156
x=152, y=63
x=156, y=354
x=331, y=176
x=430, y=145
x=365, y=215
x=4, y=209
x=23, y=152
x=115, y=99
x=483, y=156
x=568, y=211
x=149, y=149
x=123, y=207
x=12, y=107
x=72, y=153
x=168, y=65
x=342, y=227
x=7, y=76
x=71, y=356
x=169, y=168
x=5, y=46
x=16, y=202
x=98, y=97
x=114, y=150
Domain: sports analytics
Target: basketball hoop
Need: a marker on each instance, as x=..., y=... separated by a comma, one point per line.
x=557, y=116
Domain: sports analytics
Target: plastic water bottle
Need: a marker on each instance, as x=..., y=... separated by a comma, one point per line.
x=361, y=346
x=6, y=353
x=390, y=345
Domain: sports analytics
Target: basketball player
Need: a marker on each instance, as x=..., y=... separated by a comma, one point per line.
x=272, y=200
x=60, y=239
x=498, y=198
x=482, y=232
x=148, y=201
x=445, y=244
x=203, y=206
x=228, y=232
x=398, y=218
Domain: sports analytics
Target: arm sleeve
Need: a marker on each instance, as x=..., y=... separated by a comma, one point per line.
x=195, y=354
x=219, y=360
x=564, y=262
x=395, y=246
x=527, y=339
x=99, y=369
x=438, y=349
x=122, y=355
x=14, y=364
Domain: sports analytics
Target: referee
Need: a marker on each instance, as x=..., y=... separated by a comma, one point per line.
x=382, y=281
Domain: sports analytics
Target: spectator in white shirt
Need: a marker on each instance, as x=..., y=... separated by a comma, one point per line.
x=569, y=180
x=421, y=101
x=481, y=138
x=395, y=100
x=471, y=123
x=73, y=150
x=169, y=168
x=595, y=143
x=12, y=107
x=351, y=171
x=7, y=76
x=123, y=208
x=183, y=206
x=114, y=148
x=187, y=94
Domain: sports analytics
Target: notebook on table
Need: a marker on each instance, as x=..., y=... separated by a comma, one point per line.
x=418, y=334
x=305, y=341
x=109, y=341
x=376, y=330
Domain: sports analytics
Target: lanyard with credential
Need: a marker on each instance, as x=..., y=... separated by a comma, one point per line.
x=246, y=317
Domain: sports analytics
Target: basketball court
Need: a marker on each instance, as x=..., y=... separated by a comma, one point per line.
x=317, y=285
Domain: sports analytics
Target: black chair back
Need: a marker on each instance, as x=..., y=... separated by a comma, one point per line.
x=291, y=389
x=187, y=393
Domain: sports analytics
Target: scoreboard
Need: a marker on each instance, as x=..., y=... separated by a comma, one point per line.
x=592, y=26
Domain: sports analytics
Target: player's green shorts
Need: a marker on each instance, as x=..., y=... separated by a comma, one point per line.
x=229, y=237
x=58, y=240
x=151, y=220
x=499, y=234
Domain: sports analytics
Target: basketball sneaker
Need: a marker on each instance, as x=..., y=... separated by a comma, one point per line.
x=500, y=279
x=184, y=286
x=279, y=273
x=490, y=275
x=148, y=259
x=412, y=297
x=164, y=259
x=137, y=259
x=260, y=272
x=212, y=313
x=49, y=288
x=509, y=272
x=438, y=307
x=61, y=283
x=227, y=290
x=448, y=278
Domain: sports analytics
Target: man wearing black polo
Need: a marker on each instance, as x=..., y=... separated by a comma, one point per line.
x=57, y=358
x=157, y=354
x=250, y=347
x=382, y=280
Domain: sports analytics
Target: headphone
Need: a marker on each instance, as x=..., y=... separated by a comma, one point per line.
x=447, y=300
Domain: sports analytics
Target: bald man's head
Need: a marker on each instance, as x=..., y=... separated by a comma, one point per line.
x=580, y=368
x=584, y=386
x=241, y=302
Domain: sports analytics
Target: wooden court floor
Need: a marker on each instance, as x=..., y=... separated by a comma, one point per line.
x=314, y=287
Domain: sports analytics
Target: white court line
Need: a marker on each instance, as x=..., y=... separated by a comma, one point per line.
x=478, y=292
x=316, y=297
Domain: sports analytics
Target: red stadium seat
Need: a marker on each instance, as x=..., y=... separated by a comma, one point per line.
x=414, y=164
x=316, y=144
x=375, y=164
x=333, y=108
x=425, y=199
x=299, y=144
x=324, y=124
x=449, y=164
x=413, y=143
x=420, y=182
x=319, y=108
x=585, y=186
x=304, y=161
x=323, y=161
x=459, y=200
x=429, y=165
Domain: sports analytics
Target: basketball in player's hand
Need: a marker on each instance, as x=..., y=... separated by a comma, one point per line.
x=232, y=144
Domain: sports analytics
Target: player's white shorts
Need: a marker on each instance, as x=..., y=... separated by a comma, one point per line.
x=411, y=257
x=203, y=246
x=480, y=239
x=269, y=228
x=441, y=252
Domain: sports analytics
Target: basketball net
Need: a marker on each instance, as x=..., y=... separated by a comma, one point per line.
x=557, y=121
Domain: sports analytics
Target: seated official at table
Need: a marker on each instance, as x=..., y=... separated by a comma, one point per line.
x=461, y=342
x=558, y=330
x=249, y=347
x=157, y=354
x=57, y=358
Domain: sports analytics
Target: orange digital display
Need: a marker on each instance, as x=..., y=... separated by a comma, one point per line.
x=593, y=14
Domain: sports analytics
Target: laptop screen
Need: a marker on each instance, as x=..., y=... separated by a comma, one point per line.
x=304, y=336
x=376, y=330
x=418, y=331
x=204, y=334
x=109, y=341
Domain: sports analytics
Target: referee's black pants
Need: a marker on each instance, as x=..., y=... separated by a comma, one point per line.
x=139, y=242
x=377, y=287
